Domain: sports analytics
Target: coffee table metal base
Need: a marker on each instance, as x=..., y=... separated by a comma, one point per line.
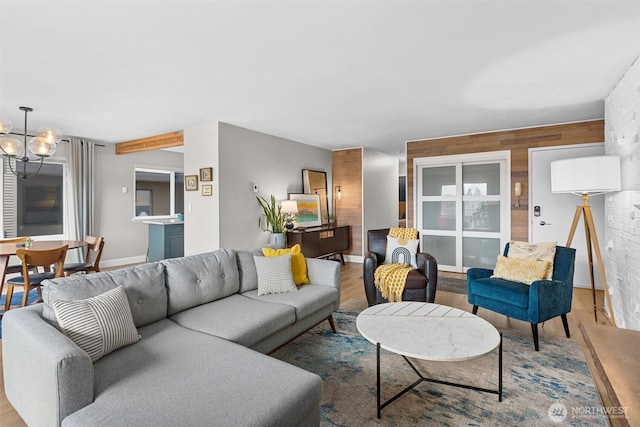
x=381, y=406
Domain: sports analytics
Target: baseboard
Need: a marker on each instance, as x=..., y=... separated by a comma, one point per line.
x=354, y=258
x=119, y=262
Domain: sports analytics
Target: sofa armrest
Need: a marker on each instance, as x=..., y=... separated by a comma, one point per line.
x=46, y=375
x=323, y=272
x=475, y=274
x=369, y=266
x=428, y=266
x=548, y=299
x=478, y=273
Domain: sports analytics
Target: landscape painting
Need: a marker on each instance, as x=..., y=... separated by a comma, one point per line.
x=309, y=211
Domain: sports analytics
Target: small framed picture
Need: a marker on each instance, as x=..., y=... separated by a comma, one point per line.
x=191, y=182
x=206, y=174
x=207, y=189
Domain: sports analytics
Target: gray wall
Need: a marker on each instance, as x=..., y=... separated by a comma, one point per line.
x=380, y=191
x=125, y=240
x=274, y=163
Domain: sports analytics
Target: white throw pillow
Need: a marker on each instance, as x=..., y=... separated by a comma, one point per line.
x=98, y=325
x=274, y=274
x=401, y=251
x=543, y=251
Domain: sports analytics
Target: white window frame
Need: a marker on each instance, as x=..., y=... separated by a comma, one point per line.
x=171, y=171
x=65, y=232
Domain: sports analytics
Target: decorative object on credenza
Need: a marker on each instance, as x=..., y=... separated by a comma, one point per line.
x=290, y=209
x=309, y=210
x=272, y=219
x=337, y=195
x=207, y=189
x=586, y=176
x=191, y=182
x=42, y=145
x=206, y=174
x=517, y=191
x=315, y=182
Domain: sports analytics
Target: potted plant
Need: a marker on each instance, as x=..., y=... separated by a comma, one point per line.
x=272, y=219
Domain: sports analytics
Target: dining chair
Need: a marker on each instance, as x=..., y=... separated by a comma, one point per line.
x=35, y=258
x=94, y=248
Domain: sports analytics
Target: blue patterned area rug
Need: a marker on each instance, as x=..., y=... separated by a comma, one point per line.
x=546, y=388
x=16, y=301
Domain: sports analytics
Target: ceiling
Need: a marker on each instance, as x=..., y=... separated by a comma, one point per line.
x=334, y=74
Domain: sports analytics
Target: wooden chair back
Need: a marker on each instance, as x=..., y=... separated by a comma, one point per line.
x=95, y=245
x=42, y=258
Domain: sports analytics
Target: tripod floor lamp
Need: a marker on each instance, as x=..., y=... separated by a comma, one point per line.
x=585, y=176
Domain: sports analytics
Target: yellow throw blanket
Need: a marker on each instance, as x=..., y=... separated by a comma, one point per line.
x=391, y=278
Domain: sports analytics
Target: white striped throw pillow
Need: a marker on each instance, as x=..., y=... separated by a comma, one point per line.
x=274, y=274
x=98, y=325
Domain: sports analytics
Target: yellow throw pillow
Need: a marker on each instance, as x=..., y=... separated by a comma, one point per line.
x=520, y=270
x=298, y=263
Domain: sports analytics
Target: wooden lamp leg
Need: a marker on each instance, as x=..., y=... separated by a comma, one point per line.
x=592, y=244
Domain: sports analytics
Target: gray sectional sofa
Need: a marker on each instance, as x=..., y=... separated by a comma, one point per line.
x=201, y=359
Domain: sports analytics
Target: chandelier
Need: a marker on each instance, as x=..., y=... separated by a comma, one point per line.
x=42, y=145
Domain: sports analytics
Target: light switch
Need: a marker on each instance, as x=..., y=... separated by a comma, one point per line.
x=125, y=190
x=188, y=207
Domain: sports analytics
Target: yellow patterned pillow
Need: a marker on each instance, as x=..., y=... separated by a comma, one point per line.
x=520, y=270
x=298, y=263
x=543, y=251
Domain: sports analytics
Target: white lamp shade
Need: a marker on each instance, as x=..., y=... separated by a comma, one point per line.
x=289, y=206
x=41, y=146
x=585, y=175
x=11, y=146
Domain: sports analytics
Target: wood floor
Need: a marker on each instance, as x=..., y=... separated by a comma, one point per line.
x=580, y=318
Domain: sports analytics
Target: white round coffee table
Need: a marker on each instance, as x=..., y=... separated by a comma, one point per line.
x=431, y=332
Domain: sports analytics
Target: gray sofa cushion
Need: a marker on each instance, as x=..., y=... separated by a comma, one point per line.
x=144, y=285
x=247, y=269
x=199, y=279
x=239, y=319
x=209, y=381
x=308, y=299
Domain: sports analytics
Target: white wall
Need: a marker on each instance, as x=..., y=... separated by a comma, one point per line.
x=125, y=240
x=380, y=191
x=274, y=164
x=622, y=227
x=202, y=221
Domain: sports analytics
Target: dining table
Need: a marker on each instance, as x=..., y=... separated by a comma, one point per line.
x=9, y=249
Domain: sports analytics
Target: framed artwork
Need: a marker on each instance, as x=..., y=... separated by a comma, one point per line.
x=309, y=210
x=206, y=174
x=191, y=182
x=207, y=189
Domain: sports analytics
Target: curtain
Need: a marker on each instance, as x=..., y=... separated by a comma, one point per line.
x=80, y=188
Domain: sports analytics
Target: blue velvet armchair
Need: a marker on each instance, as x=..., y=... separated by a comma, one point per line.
x=535, y=303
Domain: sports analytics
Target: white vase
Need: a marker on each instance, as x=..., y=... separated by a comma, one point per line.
x=277, y=239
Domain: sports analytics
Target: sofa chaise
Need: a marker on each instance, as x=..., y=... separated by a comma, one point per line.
x=201, y=359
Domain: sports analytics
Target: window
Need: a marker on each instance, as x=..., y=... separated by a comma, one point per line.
x=33, y=207
x=158, y=192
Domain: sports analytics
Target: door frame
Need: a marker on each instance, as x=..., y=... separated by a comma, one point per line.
x=468, y=158
x=580, y=281
x=530, y=217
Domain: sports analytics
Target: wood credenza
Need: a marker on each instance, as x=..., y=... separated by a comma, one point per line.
x=321, y=242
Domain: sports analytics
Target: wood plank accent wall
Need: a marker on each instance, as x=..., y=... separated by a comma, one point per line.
x=347, y=173
x=518, y=141
x=173, y=139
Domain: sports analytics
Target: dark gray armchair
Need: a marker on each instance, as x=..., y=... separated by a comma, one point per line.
x=421, y=283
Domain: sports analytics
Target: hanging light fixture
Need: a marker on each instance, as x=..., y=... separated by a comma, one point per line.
x=42, y=145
